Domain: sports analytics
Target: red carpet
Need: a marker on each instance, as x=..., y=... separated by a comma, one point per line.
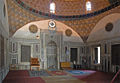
x=99, y=77
x=21, y=76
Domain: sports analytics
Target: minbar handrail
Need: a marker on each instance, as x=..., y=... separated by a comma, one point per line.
x=115, y=76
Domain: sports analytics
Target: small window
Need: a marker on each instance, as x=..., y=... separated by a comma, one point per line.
x=97, y=55
x=88, y=6
x=52, y=7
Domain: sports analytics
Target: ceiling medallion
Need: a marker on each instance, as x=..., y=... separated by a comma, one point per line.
x=33, y=28
x=109, y=27
x=68, y=32
x=51, y=23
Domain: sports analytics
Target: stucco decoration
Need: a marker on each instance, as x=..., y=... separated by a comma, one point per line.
x=24, y=32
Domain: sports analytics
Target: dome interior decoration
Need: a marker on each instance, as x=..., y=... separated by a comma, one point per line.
x=67, y=10
x=71, y=12
x=113, y=1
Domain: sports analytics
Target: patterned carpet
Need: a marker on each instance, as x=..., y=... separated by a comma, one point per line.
x=57, y=73
x=21, y=76
x=80, y=72
x=62, y=79
x=38, y=73
x=73, y=76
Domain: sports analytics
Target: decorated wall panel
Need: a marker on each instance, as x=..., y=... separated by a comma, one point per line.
x=25, y=53
x=36, y=50
x=14, y=58
x=13, y=47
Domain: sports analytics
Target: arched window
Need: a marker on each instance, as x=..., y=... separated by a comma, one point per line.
x=52, y=7
x=88, y=6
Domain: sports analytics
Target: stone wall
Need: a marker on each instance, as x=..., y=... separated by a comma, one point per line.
x=4, y=15
x=41, y=50
x=4, y=40
x=4, y=57
x=105, y=62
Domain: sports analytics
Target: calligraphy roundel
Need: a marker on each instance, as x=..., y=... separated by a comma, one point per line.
x=68, y=32
x=33, y=28
x=109, y=27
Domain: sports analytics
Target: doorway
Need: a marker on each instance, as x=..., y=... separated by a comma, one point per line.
x=97, y=55
x=74, y=53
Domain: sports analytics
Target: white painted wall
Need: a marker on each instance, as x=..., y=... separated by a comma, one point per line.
x=99, y=32
x=24, y=32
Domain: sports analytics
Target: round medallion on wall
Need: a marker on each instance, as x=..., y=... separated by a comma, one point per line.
x=33, y=28
x=109, y=27
x=68, y=32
